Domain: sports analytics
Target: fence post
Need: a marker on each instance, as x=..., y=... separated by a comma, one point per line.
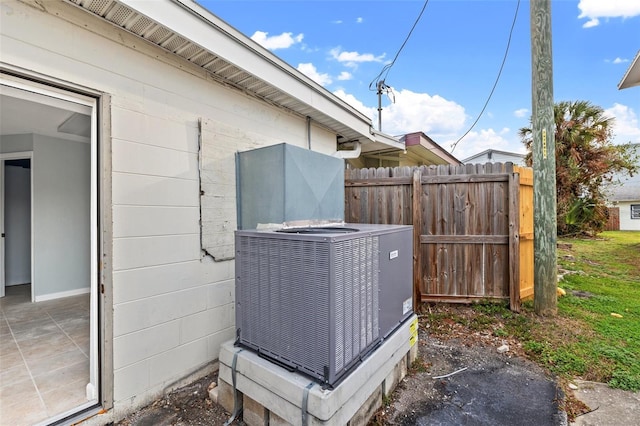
x=514, y=241
x=417, y=231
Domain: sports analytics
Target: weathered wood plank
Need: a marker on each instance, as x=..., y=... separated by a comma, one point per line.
x=445, y=298
x=417, y=228
x=476, y=178
x=464, y=239
x=514, y=242
x=391, y=181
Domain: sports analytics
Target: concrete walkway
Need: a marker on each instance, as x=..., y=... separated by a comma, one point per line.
x=610, y=407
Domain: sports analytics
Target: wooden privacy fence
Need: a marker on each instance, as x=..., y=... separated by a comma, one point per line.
x=613, y=222
x=473, y=226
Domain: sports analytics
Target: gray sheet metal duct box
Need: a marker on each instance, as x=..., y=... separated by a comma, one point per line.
x=285, y=183
x=320, y=299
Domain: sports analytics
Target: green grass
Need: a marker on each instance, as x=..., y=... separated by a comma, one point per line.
x=608, y=347
x=584, y=340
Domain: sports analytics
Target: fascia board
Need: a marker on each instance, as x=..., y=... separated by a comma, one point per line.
x=632, y=76
x=387, y=140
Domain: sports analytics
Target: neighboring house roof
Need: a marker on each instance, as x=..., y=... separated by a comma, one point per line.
x=193, y=33
x=627, y=190
x=423, y=148
x=414, y=148
x=490, y=154
x=632, y=76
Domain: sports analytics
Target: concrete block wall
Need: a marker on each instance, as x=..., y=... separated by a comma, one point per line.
x=172, y=306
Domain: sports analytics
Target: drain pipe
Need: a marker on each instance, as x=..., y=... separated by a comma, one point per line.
x=309, y=131
x=350, y=153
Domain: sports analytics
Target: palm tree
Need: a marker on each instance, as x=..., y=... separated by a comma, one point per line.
x=585, y=159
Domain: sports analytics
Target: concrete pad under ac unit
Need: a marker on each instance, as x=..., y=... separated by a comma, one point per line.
x=281, y=392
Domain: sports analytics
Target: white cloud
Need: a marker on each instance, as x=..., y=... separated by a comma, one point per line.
x=620, y=61
x=353, y=58
x=413, y=112
x=310, y=71
x=359, y=20
x=345, y=75
x=351, y=100
x=595, y=9
x=521, y=113
x=282, y=41
x=337, y=22
x=591, y=23
x=626, y=127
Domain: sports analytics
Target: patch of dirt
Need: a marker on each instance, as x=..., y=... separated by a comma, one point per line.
x=582, y=294
x=187, y=406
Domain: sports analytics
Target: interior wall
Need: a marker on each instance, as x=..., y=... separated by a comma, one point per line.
x=17, y=220
x=16, y=143
x=61, y=210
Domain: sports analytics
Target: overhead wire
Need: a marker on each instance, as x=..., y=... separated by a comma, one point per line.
x=385, y=70
x=495, y=84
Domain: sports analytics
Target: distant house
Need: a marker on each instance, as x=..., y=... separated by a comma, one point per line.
x=495, y=156
x=623, y=198
x=415, y=149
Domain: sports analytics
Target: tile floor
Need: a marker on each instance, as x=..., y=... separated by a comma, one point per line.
x=44, y=356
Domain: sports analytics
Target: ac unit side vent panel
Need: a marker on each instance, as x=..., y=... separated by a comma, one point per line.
x=311, y=305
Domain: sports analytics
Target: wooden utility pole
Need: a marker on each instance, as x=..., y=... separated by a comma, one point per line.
x=544, y=161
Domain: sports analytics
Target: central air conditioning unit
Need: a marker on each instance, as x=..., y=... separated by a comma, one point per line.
x=318, y=300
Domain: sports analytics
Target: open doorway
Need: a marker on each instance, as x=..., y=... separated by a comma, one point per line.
x=15, y=221
x=48, y=254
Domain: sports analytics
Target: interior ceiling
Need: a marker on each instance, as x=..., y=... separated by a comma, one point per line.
x=22, y=116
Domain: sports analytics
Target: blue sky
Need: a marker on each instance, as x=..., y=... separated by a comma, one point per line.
x=443, y=76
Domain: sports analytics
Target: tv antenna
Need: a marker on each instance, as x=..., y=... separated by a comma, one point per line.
x=383, y=88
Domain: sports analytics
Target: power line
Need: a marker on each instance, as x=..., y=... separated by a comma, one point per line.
x=504, y=59
x=385, y=70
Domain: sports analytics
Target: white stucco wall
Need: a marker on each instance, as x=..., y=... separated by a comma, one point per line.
x=172, y=308
x=626, y=223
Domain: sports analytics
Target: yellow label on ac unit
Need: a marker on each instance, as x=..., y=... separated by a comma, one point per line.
x=413, y=339
x=413, y=329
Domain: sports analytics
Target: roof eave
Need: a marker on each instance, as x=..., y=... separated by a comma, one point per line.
x=429, y=144
x=632, y=76
x=388, y=140
x=204, y=30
